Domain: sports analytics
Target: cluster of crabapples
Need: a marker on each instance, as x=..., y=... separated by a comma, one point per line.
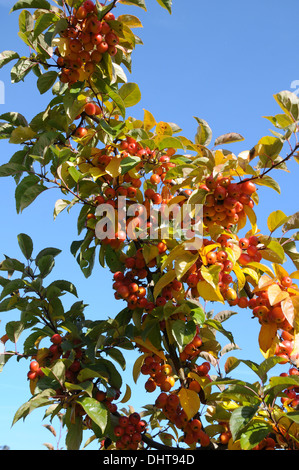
x=53, y=353
x=169, y=404
x=292, y=393
x=225, y=201
x=131, y=286
x=87, y=39
x=128, y=431
x=160, y=374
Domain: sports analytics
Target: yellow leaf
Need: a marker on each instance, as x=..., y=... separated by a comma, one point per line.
x=233, y=253
x=250, y=214
x=268, y=339
x=150, y=252
x=234, y=445
x=276, y=219
x=295, y=302
x=137, y=366
x=279, y=271
x=163, y=128
x=176, y=200
x=206, y=249
x=127, y=395
x=96, y=172
x=252, y=274
x=190, y=402
x=42, y=353
x=148, y=346
x=211, y=274
x=184, y=262
x=179, y=249
x=261, y=267
x=240, y=276
x=32, y=385
x=276, y=295
x=166, y=279
x=148, y=120
x=21, y=134
x=209, y=293
x=113, y=168
x=62, y=45
x=203, y=382
x=294, y=275
x=295, y=352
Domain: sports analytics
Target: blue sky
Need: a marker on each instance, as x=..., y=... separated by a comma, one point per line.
x=219, y=61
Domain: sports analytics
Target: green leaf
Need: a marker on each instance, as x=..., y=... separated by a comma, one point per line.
x=7, y=56
x=26, y=22
x=240, y=418
x=43, y=22
x=14, y=330
x=14, y=118
x=27, y=191
x=45, y=265
x=57, y=372
x=112, y=259
x=294, y=416
x=65, y=286
x=289, y=103
x=11, y=287
x=21, y=69
x=276, y=219
x=25, y=244
x=130, y=94
x=46, y=252
x=274, y=252
x=95, y=410
x=254, y=434
x=167, y=4
x=204, y=133
x=218, y=326
x=60, y=205
x=267, y=365
x=11, y=264
x=130, y=20
x=281, y=121
x=11, y=169
x=46, y=81
x=128, y=163
x=269, y=182
x=21, y=134
x=31, y=4
x=74, y=434
x=106, y=89
x=138, y=3
x=183, y=332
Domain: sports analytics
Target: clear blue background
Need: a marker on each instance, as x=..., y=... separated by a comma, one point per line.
x=219, y=61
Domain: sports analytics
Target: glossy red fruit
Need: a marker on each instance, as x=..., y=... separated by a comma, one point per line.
x=56, y=339
x=34, y=366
